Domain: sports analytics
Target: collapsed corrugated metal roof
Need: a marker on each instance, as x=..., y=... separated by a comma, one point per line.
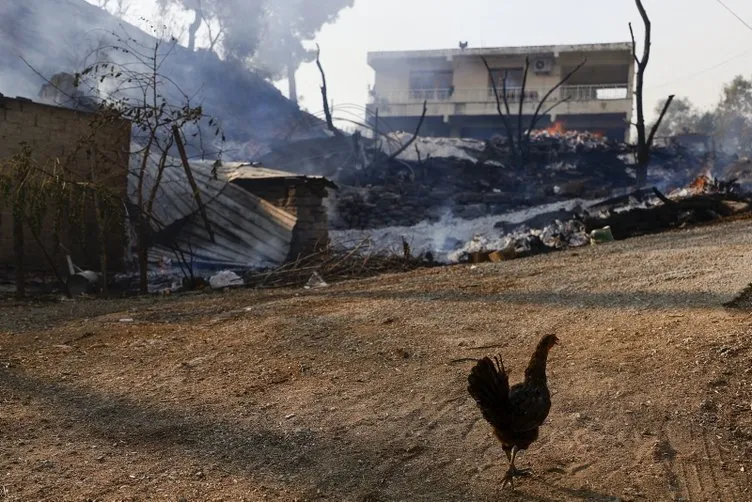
x=249, y=232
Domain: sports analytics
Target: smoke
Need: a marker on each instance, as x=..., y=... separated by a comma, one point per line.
x=448, y=238
x=63, y=36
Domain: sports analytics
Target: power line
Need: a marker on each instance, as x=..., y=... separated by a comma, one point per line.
x=737, y=16
x=706, y=70
x=717, y=65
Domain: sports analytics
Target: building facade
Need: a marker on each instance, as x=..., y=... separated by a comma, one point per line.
x=459, y=91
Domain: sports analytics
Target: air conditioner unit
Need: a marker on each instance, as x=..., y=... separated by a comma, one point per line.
x=543, y=65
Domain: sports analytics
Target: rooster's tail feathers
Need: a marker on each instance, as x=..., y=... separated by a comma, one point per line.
x=488, y=384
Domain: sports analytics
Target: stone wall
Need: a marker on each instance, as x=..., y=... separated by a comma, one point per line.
x=302, y=198
x=55, y=133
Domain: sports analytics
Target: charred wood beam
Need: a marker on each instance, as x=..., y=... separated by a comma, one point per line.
x=657, y=124
x=192, y=180
x=325, y=95
x=672, y=214
x=662, y=197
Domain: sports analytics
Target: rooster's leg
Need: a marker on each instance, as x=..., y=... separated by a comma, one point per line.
x=516, y=471
x=509, y=476
x=513, y=471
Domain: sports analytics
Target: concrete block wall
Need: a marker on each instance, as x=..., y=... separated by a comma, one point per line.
x=59, y=134
x=304, y=200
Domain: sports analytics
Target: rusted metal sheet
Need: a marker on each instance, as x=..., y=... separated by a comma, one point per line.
x=249, y=231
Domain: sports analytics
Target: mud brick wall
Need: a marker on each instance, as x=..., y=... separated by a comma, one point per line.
x=303, y=199
x=59, y=133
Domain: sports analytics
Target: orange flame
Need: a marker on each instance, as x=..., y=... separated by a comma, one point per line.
x=556, y=128
x=698, y=184
x=702, y=181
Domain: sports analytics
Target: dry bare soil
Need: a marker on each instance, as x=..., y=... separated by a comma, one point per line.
x=358, y=391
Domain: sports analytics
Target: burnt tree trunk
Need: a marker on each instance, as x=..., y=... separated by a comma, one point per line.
x=644, y=140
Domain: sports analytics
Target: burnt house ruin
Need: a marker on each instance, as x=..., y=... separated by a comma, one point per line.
x=257, y=217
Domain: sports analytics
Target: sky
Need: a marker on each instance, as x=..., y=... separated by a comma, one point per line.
x=698, y=45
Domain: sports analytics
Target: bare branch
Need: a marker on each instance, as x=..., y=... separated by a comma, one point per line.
x=648, y=34
x=324, y=95
x=504, y=92
x=634, y=45
x=564, y=80
x=158, y=179
x=415, y=136
x=522, y=100
x=549, y=110
x=504, y=118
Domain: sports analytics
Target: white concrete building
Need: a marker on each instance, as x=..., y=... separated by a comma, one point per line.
x=460, y=96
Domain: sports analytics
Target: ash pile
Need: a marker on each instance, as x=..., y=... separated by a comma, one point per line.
x=452, y=198
x=472, y=178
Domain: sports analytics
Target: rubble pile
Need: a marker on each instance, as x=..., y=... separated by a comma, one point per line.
x=572, y=141
x=523, y=241
x=565, y=225
x=456, y=197
x=474, y=178
x=469, y=178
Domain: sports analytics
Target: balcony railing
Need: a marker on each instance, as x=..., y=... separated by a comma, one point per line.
x=594, y=92
x=570, y=92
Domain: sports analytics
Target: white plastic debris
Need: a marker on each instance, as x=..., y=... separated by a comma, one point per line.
x=225, y=279
x=315, y=281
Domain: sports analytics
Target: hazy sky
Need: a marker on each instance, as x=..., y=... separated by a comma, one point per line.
x=697, y=44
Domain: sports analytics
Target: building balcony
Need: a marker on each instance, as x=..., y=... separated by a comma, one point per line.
x=576, y=99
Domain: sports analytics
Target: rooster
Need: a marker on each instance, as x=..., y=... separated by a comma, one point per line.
x=515, y=413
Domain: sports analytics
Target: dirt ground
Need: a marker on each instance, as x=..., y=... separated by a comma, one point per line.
x=358, y=391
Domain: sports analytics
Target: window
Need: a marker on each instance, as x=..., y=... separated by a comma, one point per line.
x=513, y=84
x=431, y=85
x=513, y=76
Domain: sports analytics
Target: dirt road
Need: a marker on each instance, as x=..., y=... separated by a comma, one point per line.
x=357, y=391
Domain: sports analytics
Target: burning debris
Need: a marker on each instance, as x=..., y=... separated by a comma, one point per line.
x=573, y=141
x=565, y=225
x=706, y=184
x=471, y=178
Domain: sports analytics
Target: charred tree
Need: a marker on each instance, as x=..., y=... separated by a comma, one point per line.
x=644, y=139
x=414, y=136
x=325, y=95
x=519, y=143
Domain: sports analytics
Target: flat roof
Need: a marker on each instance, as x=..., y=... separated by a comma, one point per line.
x=500, y=51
